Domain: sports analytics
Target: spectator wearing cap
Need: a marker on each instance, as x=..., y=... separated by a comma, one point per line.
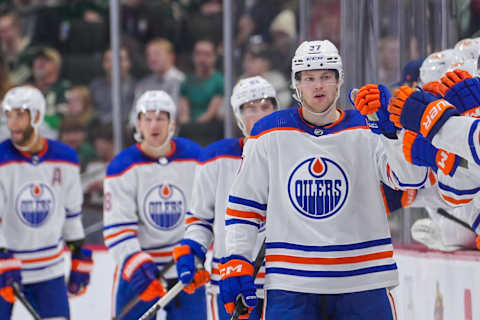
x=410, y=73
x=15, y=49
x=257, y=63
x=46, y=77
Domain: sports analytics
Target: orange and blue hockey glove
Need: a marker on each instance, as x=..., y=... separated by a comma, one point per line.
x=82, y=266
x=184, y=256
x=9, y=274
x=436, y=88
x=237, y=283
x=419, y=111
x=373, y=98
x=463, y=92
x=419, y=151
x=142, y=275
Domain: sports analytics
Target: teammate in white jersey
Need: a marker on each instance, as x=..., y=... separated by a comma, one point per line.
x=312, y=175
x=252, y=99
x=147, y=190
x=40, y=209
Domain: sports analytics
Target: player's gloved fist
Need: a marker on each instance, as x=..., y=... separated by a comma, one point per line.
x=419, y=151
x=142, y=275
x=9, y=274
x=463, y=92
x=184, y=256
x=82, y=266
x=436, y=88
x=373, y=98
x=237, y=283
x=419, y=111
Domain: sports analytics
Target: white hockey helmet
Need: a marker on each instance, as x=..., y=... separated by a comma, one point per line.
x=468, y=65
x=250, y=89
x=26, y=98
x=437, y=64
x=315, y=55
x=154, y=100
x=468, y=48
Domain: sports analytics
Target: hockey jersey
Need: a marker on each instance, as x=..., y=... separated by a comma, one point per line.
x=145, y=201
x=316, y=190
x=205, y=221
x=40, y=207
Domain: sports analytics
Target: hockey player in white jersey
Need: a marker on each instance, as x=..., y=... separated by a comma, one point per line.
x=41, y=202
x=252, y=99
x=147, y=190
x=312, y=175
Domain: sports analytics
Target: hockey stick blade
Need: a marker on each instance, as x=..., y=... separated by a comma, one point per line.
x=172, y=293
x=240, y=305
x=19, y=294
x=133, y=302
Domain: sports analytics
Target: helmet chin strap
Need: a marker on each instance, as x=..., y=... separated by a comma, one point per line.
x=28, y=146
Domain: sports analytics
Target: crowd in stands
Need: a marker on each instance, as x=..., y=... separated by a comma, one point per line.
x=62, y=48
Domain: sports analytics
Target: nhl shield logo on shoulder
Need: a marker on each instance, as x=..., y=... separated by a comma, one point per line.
x=34, y=203
x=164, y=206
x=318, y=188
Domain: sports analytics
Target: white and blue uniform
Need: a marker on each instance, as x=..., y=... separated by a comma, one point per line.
x=219, y=165
x=144, y=210
x=40, y=208
x=317, y=190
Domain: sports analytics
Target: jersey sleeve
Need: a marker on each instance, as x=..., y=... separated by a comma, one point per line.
x=393, y=169
x=120, y=217
x=73, y=227
x=201, y=216
x=461, y=135
x=247, y=201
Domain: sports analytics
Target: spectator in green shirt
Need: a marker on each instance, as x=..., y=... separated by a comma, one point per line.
x=202, y=92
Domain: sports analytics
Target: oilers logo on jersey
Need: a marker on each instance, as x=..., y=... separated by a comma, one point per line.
x=34, y=203
x=318, y=188
x=164, y=206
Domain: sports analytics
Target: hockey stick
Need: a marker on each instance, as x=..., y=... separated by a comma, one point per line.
x=19, y=294
x=172, y=293
x=133, y=302
x=451, y=217
x=240, y=307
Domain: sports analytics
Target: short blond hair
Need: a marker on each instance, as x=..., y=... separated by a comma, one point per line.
x=163, y=43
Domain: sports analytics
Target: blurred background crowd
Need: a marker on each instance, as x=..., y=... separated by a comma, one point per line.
x=62, y=47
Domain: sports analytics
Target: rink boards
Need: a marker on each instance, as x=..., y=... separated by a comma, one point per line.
x=417, y=297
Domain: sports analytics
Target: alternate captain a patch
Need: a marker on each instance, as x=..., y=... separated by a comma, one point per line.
x=318, y=188
x=34, y=204
x=164, y=206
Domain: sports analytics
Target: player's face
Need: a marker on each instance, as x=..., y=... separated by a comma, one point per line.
x=255, y=110
x=318, y=89
x=18, y=122
x=154, y=127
